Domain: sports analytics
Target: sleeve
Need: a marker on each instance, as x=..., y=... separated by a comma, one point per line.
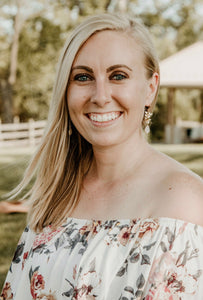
x=17, y=265
x=177, y=271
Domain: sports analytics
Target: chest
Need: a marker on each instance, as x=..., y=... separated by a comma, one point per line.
x=123, y=200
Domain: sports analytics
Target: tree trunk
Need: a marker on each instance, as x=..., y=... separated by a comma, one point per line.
x=14, y=47
x=6, y=92
x=201, y=107
x=6, y=85
x=170, y=109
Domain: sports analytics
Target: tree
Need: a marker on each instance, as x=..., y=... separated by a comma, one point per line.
x=28, y=60
x=40, y=44
x=8, y=81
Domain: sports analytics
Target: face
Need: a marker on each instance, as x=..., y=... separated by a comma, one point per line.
x=108, y=89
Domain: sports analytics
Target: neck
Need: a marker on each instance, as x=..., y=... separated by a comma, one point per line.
x=118, y=161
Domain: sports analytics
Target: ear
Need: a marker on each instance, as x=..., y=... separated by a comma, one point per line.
x=153, y=83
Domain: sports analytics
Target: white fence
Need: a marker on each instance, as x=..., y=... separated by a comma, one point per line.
x=21, y=134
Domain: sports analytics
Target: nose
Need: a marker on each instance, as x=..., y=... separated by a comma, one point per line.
x=101, y=94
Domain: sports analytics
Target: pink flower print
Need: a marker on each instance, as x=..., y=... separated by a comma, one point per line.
x=166, y=275
x=25, y=256
x=161, y=293
x=182, y=228
x=45, y=236
x=6, y=292
x=86, y=283
x=46, y=297
x=148, y=227
x=160, y=266
x=37, y=284
x=87, y=297
x=74, y=272
x=90, y=229
x=86, y=228
x=82, y=292
x=124, y=235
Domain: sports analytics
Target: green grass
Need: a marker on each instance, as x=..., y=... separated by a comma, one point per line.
x=190, y=155
x=11, y=227
x=12, y=166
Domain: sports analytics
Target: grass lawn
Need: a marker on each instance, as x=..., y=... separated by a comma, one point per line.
x=12, y=166
x=190, y=155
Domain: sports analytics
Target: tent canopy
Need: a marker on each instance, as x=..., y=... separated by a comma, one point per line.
x=184, y=69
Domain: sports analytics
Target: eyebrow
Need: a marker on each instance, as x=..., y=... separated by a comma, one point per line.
x=83, y=67
x=117, y=67
x=88, y=69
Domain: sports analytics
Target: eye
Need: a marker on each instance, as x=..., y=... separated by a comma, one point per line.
x=118, y=76
x=82, y=77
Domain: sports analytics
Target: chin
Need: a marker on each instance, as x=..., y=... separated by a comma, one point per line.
x=105, y=143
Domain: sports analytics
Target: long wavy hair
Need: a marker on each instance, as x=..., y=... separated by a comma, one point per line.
x=61, y=161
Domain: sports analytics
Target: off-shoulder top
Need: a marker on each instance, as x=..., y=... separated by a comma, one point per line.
x=154, y=258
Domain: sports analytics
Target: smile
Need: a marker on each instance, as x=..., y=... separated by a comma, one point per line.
x=105, y=117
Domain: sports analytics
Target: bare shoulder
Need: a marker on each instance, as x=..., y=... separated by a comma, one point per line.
x=181, y=192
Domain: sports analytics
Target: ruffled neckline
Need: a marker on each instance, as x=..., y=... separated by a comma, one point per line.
x=161, y=220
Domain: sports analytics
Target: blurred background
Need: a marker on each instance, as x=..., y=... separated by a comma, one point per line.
x=32, y=33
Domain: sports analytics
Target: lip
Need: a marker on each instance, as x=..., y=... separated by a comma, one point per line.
x=104, y=123
x=104, y=112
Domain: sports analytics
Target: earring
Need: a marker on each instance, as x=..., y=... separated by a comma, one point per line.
x=69, y=127
x=147, y=119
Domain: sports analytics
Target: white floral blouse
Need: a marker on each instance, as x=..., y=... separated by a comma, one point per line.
x=159, y=259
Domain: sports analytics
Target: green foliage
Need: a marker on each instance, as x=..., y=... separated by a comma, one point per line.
x=13, y=162
x=190, y=27
x=89, y=7
x=38, y=55
x=12, y=165
x=159, y=119
x=187, y=105
x=173, y=25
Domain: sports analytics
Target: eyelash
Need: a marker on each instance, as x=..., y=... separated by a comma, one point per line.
x=79, y=76
x=123, y=76
x=87, y=77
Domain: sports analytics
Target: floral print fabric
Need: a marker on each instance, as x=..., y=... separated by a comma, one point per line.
x=109, y=260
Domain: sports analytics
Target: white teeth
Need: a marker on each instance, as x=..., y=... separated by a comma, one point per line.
x=104, y=117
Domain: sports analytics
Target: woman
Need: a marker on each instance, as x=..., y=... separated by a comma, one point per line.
x=110, y=217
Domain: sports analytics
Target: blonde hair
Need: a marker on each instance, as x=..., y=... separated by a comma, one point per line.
x=61, y=161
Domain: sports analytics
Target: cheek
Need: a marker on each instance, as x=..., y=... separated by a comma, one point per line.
x=73, y=100
x=77, y=97
x=133, y=97
x=75, y=106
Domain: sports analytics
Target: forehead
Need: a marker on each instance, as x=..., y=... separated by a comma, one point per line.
x=111, y=47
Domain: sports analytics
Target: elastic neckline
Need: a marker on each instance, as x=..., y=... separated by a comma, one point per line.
x=164, y=220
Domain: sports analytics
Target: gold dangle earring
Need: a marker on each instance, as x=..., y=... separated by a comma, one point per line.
x=147, y=119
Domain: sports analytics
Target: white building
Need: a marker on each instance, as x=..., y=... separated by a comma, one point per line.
x=184, y=69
